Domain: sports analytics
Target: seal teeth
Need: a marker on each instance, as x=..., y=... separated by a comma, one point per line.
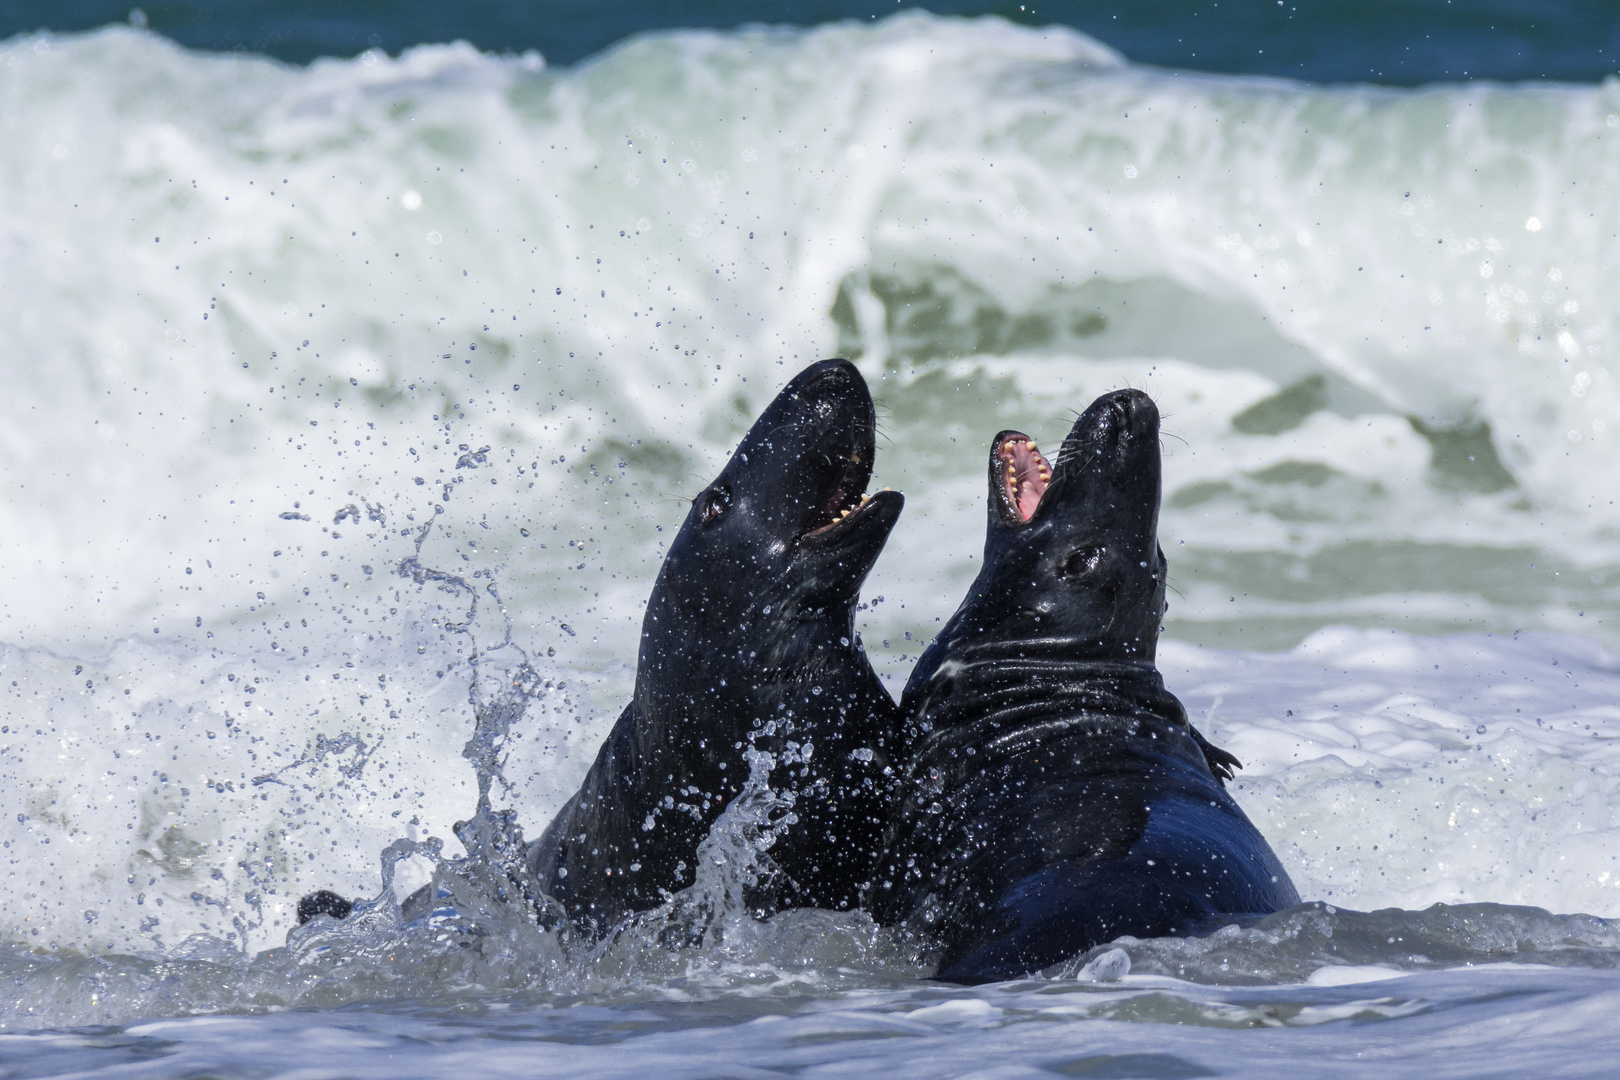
x=1028, y=474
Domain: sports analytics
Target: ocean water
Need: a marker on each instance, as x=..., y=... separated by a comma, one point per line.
x=1392, y=42
x=350, y=407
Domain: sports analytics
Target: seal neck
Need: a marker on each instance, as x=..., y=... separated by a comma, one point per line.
x=1011, y=683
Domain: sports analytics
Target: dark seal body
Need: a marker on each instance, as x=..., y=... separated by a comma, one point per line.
x=1055, y=794
x=749, y=641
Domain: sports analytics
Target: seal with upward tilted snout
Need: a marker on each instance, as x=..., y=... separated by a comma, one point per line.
x=748, y=642
x=749, y=639
x=1054, y=794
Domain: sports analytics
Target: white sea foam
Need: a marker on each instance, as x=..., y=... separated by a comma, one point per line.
x=1393, y=771
x=262, y=325
x=1000, y=222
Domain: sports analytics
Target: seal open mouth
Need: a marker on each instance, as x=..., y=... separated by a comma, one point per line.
x=800, y=474
x=1026, y=474
x=847, y=499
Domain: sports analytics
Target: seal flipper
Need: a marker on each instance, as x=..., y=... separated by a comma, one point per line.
x=1221, y=763
x=323, y=902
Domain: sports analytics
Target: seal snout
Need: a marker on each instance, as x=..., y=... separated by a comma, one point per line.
x=1113, y=424
x=1118, y=417
x=1138, y=415
x=833, y=373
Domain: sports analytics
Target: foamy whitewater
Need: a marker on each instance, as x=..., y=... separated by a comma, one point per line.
x=350, y=407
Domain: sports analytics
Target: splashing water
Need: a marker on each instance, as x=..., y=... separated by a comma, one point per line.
x=481, y=922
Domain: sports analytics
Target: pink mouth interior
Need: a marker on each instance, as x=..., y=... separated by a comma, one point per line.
x=1026, y=476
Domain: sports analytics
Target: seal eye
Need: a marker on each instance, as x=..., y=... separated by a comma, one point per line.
x=1082, y=561
x=713, y=504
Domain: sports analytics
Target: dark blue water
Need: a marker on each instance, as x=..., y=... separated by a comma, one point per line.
x=1397, y=42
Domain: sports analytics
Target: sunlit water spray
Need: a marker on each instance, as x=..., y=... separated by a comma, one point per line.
x=464, y=924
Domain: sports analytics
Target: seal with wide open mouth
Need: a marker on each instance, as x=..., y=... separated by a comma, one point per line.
x=1054, y=795
x=749, y=642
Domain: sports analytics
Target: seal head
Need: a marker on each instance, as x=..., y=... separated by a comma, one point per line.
x=749, y=640
x=1071, y=551
x=1055, y=795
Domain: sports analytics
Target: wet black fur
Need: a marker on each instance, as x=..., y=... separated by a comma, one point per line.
x=1055, y=795
x=750, y=628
